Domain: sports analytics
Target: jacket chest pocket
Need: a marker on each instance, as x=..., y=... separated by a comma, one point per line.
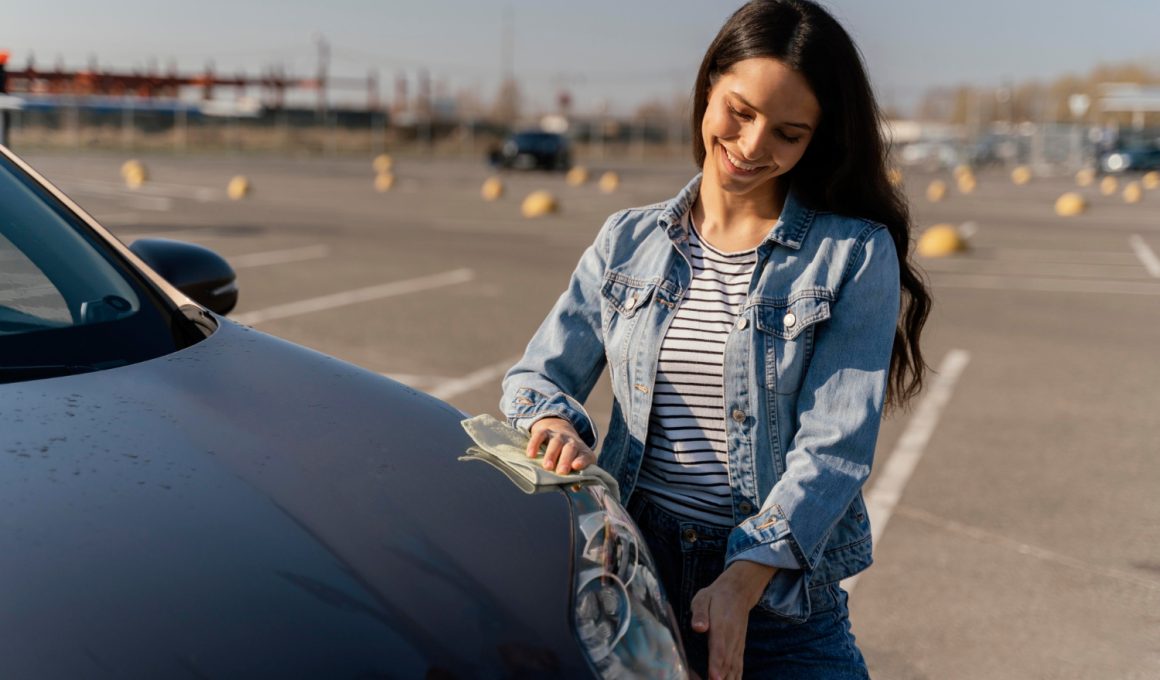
x=625, y=301
x=788, y=331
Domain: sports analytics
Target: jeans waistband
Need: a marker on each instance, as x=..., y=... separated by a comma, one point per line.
x=666, y=526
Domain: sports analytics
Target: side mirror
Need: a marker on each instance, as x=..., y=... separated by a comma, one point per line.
x=196, y=271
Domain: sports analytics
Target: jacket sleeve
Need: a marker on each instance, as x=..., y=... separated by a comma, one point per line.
x=839, y=410
x=566, y=355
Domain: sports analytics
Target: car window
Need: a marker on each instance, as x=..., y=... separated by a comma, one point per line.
x=68, y=302
x=53, y=278
x=27, y=296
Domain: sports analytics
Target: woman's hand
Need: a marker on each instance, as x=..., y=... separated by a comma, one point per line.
x=566, y=451
x=722, y=610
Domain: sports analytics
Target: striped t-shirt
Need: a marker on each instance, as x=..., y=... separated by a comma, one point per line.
x=685, y=469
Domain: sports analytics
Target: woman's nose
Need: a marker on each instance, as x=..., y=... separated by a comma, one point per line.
x=750, y=143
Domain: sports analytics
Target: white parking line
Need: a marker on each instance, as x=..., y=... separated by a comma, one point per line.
x=1042, y=284
x=279, y=256
x=107, y=188
x=453, y=388
x=884, y=496
x=985, y=536
x=1147, y=257
x=351, y=297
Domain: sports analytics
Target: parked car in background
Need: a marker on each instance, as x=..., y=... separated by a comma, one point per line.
x=184, y=496
x=929, y=155
x=1138, y=158
x=533, y=150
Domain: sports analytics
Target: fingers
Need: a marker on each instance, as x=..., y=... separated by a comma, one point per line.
x=564, y=451
x=700, y=606
x=537, y=439
x=585, y=458
x=555, y=443
x=726, y=637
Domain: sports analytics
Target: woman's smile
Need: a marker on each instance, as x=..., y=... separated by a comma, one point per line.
x=736, y=166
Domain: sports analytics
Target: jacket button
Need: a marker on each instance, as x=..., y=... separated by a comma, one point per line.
x=745, y=507
x=630, y=303
x=690, y=535
x=742, y=323
x=739, y=415
x=789, y=320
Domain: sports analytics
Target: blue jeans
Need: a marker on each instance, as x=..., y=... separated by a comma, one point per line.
x=689, y=556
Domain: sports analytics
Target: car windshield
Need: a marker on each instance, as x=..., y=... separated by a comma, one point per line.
x=67, y=303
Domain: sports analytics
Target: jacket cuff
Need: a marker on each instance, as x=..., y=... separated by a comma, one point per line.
x=529, y=405
x=765, y=529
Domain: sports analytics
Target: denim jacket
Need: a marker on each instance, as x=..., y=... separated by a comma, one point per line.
x=805, y=372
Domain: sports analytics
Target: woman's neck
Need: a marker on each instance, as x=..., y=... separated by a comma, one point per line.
x=733, y=222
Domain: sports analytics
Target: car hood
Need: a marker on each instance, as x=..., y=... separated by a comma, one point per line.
x=248, y=507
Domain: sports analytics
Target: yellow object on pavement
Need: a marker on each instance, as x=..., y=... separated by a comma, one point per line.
x=941, y=240
x=609, y=182
x=577, y=176
x=383, y=163
x=1070, y=204
x=538, y=204
x=239, y=188
x=1021, y=175
x=384, y=181
x=492, y=189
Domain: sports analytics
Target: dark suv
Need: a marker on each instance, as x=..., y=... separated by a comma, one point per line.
x=532, y=150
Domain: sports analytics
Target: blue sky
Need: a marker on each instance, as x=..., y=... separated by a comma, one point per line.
x=609, y=53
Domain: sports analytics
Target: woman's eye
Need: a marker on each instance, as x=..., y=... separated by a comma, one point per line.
x=737, y=113
x=787, y=138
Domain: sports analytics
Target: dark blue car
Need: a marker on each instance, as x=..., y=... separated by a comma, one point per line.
x=183, y=496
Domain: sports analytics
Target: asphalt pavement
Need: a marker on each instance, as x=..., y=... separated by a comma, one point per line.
x=1020, y=536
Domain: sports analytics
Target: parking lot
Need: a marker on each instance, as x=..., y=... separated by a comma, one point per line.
x=1021, y=530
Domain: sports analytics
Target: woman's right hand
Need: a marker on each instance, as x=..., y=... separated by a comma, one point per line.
x=566, y=451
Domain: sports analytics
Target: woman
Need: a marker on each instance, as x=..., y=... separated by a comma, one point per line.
x=755, y=327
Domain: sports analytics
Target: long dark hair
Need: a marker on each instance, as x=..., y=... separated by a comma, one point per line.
x=844, y=168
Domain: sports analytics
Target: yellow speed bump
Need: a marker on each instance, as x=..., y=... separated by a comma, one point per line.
x=967, y=183
x=894, y=175
x=936, y=191
x=1151, y=180
x=940, y=240
x=384, y=181
x=577, y=176
x=609, y=181
x=1108, y=186
x=1070, y=204
x=239, y=187
x=1021, y=175
x=1132, y=192
x=492, y=189
x=538, y=204
x=383, y=163
x=1085, y=177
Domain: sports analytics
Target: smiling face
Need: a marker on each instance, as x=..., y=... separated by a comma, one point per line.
x=760, y=117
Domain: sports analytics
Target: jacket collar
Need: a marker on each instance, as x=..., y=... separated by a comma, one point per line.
x=790, y=229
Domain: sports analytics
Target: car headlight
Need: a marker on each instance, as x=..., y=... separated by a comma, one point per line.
x=624, y=623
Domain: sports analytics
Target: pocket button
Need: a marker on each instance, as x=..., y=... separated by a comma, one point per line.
x=745, y=507
x=690, y=535
x=790, y=320
x=630, y=302
x=742, y=323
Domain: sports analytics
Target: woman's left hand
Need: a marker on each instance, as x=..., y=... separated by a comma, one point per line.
x=722, y=611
